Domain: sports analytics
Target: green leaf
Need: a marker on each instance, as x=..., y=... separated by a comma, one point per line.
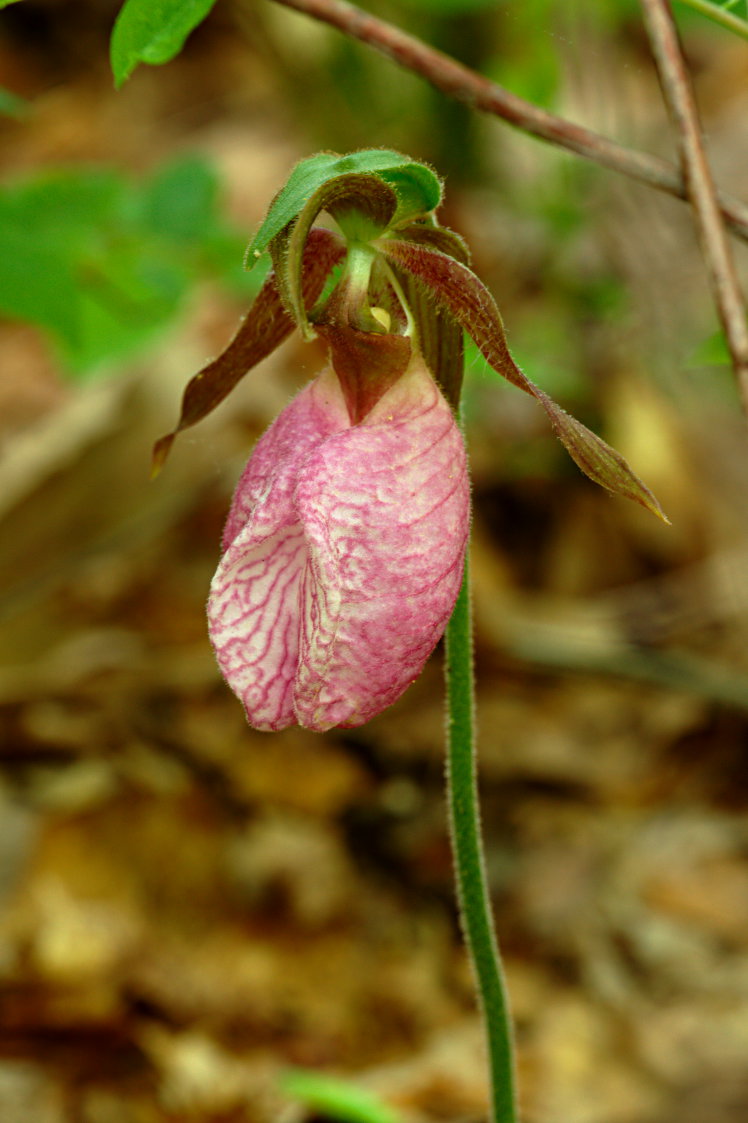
x=123, y=299
x=712, y=351
x=335, y=1098
x=7, y=3
x=152, y=31
x=61, y=205
x=417, y=187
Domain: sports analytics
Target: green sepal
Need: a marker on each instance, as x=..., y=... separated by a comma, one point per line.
x=417, y=187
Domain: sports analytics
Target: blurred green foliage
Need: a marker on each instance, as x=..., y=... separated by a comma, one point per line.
x=10, y=104
x=336, y=1099
x=102, y=263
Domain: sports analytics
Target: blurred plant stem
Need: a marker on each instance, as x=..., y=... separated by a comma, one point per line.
x=467, y=848
x=681, y=104
x=471, y=88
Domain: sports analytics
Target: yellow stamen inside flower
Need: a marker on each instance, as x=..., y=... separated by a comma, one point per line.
x=382, y=316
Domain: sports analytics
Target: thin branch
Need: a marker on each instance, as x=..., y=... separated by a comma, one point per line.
x=471, y=88
x=719, y=15
x=678, y=94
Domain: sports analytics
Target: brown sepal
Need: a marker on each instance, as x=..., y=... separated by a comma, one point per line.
x=265, y=326
x=440, y=338
x=367, y=364
x=436, y=238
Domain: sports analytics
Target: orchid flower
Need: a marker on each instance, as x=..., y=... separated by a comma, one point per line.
x=344, y=548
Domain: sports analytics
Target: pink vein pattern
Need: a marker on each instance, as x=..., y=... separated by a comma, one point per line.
x=343, y=555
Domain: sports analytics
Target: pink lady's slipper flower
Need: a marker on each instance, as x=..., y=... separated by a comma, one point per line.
x=344, y=548
x=343, y=554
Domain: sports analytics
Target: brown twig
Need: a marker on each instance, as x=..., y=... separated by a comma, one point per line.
x=465, y=85
x=681, y=104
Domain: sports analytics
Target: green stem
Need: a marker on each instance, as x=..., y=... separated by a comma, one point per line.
x=472, y=889
x=353, y=289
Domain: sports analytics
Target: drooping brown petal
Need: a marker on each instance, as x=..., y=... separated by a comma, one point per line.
x=456, y=289
x=265, y=326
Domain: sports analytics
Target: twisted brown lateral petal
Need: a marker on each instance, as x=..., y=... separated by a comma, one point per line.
x=265, y=326
x=460, y=293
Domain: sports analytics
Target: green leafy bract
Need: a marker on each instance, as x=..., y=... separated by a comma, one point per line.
x=152, y=31
x=417, y=187
x=361, y=201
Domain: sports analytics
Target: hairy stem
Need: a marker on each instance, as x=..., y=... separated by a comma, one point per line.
x=467, y=846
